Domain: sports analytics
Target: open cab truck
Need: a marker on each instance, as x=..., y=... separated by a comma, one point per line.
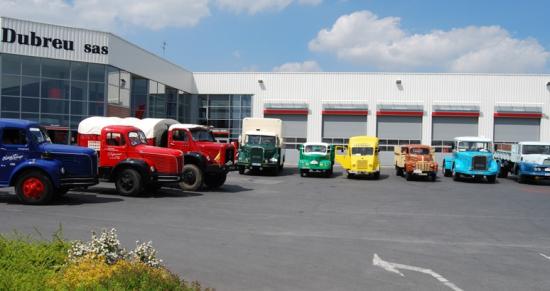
x=472, y=157
x=316, y=158
x=360, y=156
x=415, y=160
x=126, y=159
x=261, y=145
x=528, y=160
x=38, y=169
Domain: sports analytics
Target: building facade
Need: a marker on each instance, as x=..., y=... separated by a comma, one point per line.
x=60, y=75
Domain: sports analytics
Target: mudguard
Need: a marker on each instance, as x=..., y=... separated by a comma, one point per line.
x=140, y=165
x=51, y=167
x=198, y=159
x=448, y=163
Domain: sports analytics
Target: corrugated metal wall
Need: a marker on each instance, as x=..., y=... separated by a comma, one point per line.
x=374, y=88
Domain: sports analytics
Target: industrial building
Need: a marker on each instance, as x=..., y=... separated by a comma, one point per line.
x=60, y=75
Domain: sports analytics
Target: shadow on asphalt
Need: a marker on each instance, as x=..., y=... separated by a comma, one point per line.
x=370, y=177
x=161, y=193
x=285, y=172
x=68, y=199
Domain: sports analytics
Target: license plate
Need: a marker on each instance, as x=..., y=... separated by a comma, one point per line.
x=417, y=171
x=547, y=169
x=256, y=164
x=314, y=162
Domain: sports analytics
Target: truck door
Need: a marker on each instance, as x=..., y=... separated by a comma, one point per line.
x=14, y=149
x=342, y=156
x=180, y=140
x=115, y=149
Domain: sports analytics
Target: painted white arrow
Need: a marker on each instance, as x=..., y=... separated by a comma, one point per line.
x=544, y=256
x=394, y=268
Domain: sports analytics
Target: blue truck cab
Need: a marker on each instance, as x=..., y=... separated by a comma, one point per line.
x=472, y=157
x=38, y=169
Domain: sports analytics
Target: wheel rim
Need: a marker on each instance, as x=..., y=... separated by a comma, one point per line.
x=33, y=188
x=189, y=177
x=126, y=182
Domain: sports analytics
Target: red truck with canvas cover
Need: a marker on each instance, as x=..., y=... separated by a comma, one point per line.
x=126, y=159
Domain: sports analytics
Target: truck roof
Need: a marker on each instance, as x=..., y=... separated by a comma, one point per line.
x=472, y=138
x=255, y=132
x=123, y=128
x=94, y=124
x=155, y=127
x=9, y=122
x=186, y=126
x=534, y=143
x=316, y=143
x=415, y=146
x=363, y=139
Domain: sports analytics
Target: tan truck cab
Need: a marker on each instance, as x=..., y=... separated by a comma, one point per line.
x=415, y=160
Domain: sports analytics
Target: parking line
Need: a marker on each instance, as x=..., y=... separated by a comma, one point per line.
x=545, y=256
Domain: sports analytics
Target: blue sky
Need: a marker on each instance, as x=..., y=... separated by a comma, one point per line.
x=287, y=35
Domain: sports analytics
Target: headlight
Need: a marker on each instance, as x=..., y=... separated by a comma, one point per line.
x=273, y=160
x=537, y=169
x=62, y=171
x=152, y=169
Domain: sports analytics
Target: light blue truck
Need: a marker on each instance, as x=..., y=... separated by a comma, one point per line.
x=528, y=160
x=472, y=158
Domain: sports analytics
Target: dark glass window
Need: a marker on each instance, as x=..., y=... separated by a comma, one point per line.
x=79, y=71
x=54, y=119
x=15, y=136
x=30, y=66
x=55, y=106
x=79, y=90
x=115, y=139
x=10, y=103
x=30, y=116
x=246, y=101
x=55, y=89
x=30, y=87
x=219, y=100
x=10, y=85
x=55, y=69
x=30, y=104
x=218, y=113
x=179, y=135
x=97, y=92
x=10, y=115
x=96, y=108
x=11, y=64
x=97, y=73
x=79, y=107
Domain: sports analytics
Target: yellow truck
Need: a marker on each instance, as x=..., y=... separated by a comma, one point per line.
x=360, y=156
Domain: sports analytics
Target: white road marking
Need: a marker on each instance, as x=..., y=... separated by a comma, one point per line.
x=545, y=256
x=394, y=268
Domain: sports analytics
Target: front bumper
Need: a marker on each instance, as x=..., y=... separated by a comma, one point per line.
x=537, y=174
x=164, y=178
x=363, y=172
x=472, y=173
x=78, y=182
x=218, y=169
x=257, y=165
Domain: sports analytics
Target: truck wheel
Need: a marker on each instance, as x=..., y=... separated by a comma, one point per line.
x=129, y=183
x=303, y=173
x=408, y=176
x=192, y=178
x=522, y=179
x=376, y=176
x=34, y=188
x=398, y=171
x=503, y=173
x=492, y=179
x=350, y=175
x=432, y=176
x=241, y=170
x=215, y=181
x=456, y=176
x=330, y=172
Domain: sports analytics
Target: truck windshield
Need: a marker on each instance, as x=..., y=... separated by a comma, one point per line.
x=39, y=135
x=320, y=149
x=419, y=151
x=202, y=135
x=535, y=149
x=137, y=137
x=362, y=151
x=261, y=140
x=473, y=146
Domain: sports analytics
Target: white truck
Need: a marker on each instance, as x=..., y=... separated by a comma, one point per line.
x=261, y=145
x=527, y=160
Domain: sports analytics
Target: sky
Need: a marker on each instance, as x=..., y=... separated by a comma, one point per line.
x=463, y=36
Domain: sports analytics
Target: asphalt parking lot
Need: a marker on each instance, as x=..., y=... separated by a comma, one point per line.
x=293, y=233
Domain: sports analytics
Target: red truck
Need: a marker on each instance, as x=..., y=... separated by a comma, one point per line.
x=126, y=159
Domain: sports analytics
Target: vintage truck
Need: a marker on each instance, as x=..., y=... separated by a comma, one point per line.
x=415, y=160
x=471, y=157
x=126, y=159
x=528, y=160
x=261, y=145
x=316, y=158
x=38, y=169
x=360, y=156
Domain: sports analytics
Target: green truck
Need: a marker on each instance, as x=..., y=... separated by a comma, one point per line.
x=261, y=145
x=316, y=158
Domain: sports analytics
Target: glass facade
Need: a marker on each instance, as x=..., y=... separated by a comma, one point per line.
x=225, y=112
x=59, y=94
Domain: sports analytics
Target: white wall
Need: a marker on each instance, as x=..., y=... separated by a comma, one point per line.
x=373, y=88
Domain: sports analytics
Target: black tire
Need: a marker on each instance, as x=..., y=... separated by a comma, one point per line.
x=303, y=173
x=215, y=181
x=34, y=188
x=376, y=175
x=503, y=173
x=129, y=183
x=241, y=170
x=522, y=179
x=456, y=176
x=492, y=179
x=408, y=176
x=398, y=171
x=329, y=173
x=192, y=178
x=350, y=175
x=432, y=176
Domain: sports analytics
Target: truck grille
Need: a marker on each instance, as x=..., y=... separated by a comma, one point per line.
x=479, y=163
x=229, y=155
x=256, y=155
x=361, y=164
x=77, y=165
x=423, y=166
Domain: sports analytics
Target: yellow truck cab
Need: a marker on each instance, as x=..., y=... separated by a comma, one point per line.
x=360, y=156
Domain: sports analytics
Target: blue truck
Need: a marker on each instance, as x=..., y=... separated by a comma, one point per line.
x=38, y=169
x=528, y=160
x=472, y=157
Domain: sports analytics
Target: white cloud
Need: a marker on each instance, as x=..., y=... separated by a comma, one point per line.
x=109, y=14
x=362, y=37
x=307, y=66
x=255, y=6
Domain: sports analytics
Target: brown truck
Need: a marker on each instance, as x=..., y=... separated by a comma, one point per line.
x=415, y=160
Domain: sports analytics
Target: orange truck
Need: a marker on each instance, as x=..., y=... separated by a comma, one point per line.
x=415, y=160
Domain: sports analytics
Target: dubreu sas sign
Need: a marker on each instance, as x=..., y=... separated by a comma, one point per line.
x=32, y=39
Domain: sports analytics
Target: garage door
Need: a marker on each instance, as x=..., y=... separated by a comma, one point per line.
x=508, y=130
x=337, y=129
x=445, y=129
x=294, y=133
x=396, y=130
